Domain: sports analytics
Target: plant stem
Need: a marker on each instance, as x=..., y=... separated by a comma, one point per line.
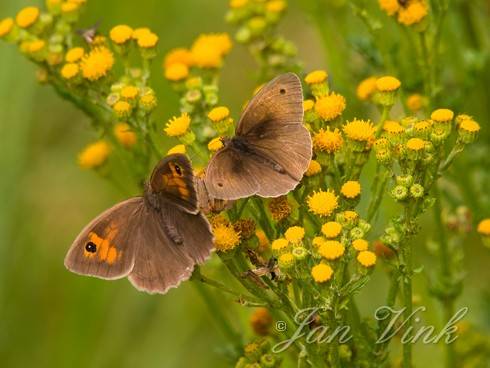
x=407, y=272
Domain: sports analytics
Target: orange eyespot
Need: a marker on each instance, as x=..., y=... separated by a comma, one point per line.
x=176, y=169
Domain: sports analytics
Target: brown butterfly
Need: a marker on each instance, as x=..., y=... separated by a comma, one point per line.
x=155, y=240
x=271, y=148
x=208, y=204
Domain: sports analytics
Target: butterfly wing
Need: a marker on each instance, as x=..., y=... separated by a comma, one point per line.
x=228, y=176
x=208, y=204
x=173, y=178
x=272, y=127
x=173, y=242
x=106, y=247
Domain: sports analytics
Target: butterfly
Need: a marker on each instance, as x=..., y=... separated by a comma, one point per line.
x=154, y=240
x=208, y=204
x=271, y=149
x=88, y=34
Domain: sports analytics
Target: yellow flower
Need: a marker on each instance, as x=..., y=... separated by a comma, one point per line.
x=215, y=144
x=94, y=155
x=97, y=63
x=351, y=189
x=317, y=76
x=484, y=227
x=330, y=107
x=389, y=6
x=360, y=245
x=263, y=241
x=422, y=126
x=176, y=72
x=323, y=203
x=236, y=4
x=350, y=216
x=313, y=168
x=74, y=54
x=331, y=229
x=468, y=125
x=318, y=241
x=125, y=135
x=140, y=32
x=327, y=140
x=295, y=234
x=225, y=237
x=279, y=245
x=70, y=6
x=359, y=130
x=147, y=40
x=387, y=84
x=415, y=102
x=366, y=88
x=415, y=144
x=6, y=26
x=148, y=101
x=286, y=260
x=208, y=49
x=121, y=34
x=442, y=115
x=122, y=108
x=27, y=16
x=218, y=114
x=178, y=55
x=321, y=272
x=393, y=127
x=36, y=46
x=413, y=12
x=275, y=6
x=179, y=148
x=70, y=70
x=331, y=249
x=308, y=105
x=178, y=126
x=366, y=258
x=130, y=92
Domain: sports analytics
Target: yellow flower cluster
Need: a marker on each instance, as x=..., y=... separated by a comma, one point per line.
x=410, y=13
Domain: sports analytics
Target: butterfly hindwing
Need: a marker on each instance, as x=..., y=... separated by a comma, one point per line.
x=173, y=178
x=106, y=247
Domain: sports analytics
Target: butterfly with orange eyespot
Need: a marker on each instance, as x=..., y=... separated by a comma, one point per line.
x=271, y=149
x=155, y=240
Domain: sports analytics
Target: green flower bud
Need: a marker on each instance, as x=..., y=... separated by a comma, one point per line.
x=193, y=96
x=439, y=135
x=383, y=156
x=364, y=225
x=405, y=180
x=286, y=261
x=243, y=35
x=257, y=25
x=357, y=233
x=417, y=191
x=399, y=192
x=299, y=253
x=268, y=361
x=242, y=363
x=188, y=138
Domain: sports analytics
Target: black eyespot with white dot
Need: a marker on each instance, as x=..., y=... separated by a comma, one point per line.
x=178, y=170
x=91, y=247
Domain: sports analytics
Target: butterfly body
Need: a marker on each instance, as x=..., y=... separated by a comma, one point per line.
x=155, y=240
x=271, y=149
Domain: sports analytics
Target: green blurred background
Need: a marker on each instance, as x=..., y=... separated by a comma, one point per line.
x=52, y=318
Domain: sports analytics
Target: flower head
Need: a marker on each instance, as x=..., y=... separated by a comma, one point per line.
x=442, y=115
x=330, y=107
x=261, y=321
x=74, y=54
x=389, y=6
x=279, y=208
x=351, y=189
x=366, y=258
x=315, y=77
x=327, y=140
x=130, y=92
x=393, y=127
x=279, y=245
x=146, y=39
x=313, y=168
x=179, y=148
x=208, y=50
x=414, y=12
x=6, y=26
x=178, y=55
x=215, y=144
x=178, y=126
x=321, y=273
x=484, y=227
x=359, y=130
x=225, y=237
x=323, y=203
x=121, y=34
x=331, y=249
x=236, y=4
x=366, y=88
x=331, y=229
x=308, y=105
x=97, y=63
x=415, y=102
x=218, y=114
x=69, y=70
x=387, y=84
x=27, y=16
x=176, y=72
x=94, y=155
x=468, y=125
x=125, y=135
x=122, y=108
x=415, y=144
x=286, y=260
x=294, y=234
x=360, y=245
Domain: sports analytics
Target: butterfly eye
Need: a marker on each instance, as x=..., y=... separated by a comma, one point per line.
x=178, y=170
x=91, y=247
x=282, y=91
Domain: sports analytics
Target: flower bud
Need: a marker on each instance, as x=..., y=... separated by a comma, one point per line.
x=399, y=192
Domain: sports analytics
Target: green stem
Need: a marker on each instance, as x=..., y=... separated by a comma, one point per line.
x=407, y=273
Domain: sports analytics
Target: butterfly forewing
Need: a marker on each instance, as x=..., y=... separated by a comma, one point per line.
x=106, y=247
